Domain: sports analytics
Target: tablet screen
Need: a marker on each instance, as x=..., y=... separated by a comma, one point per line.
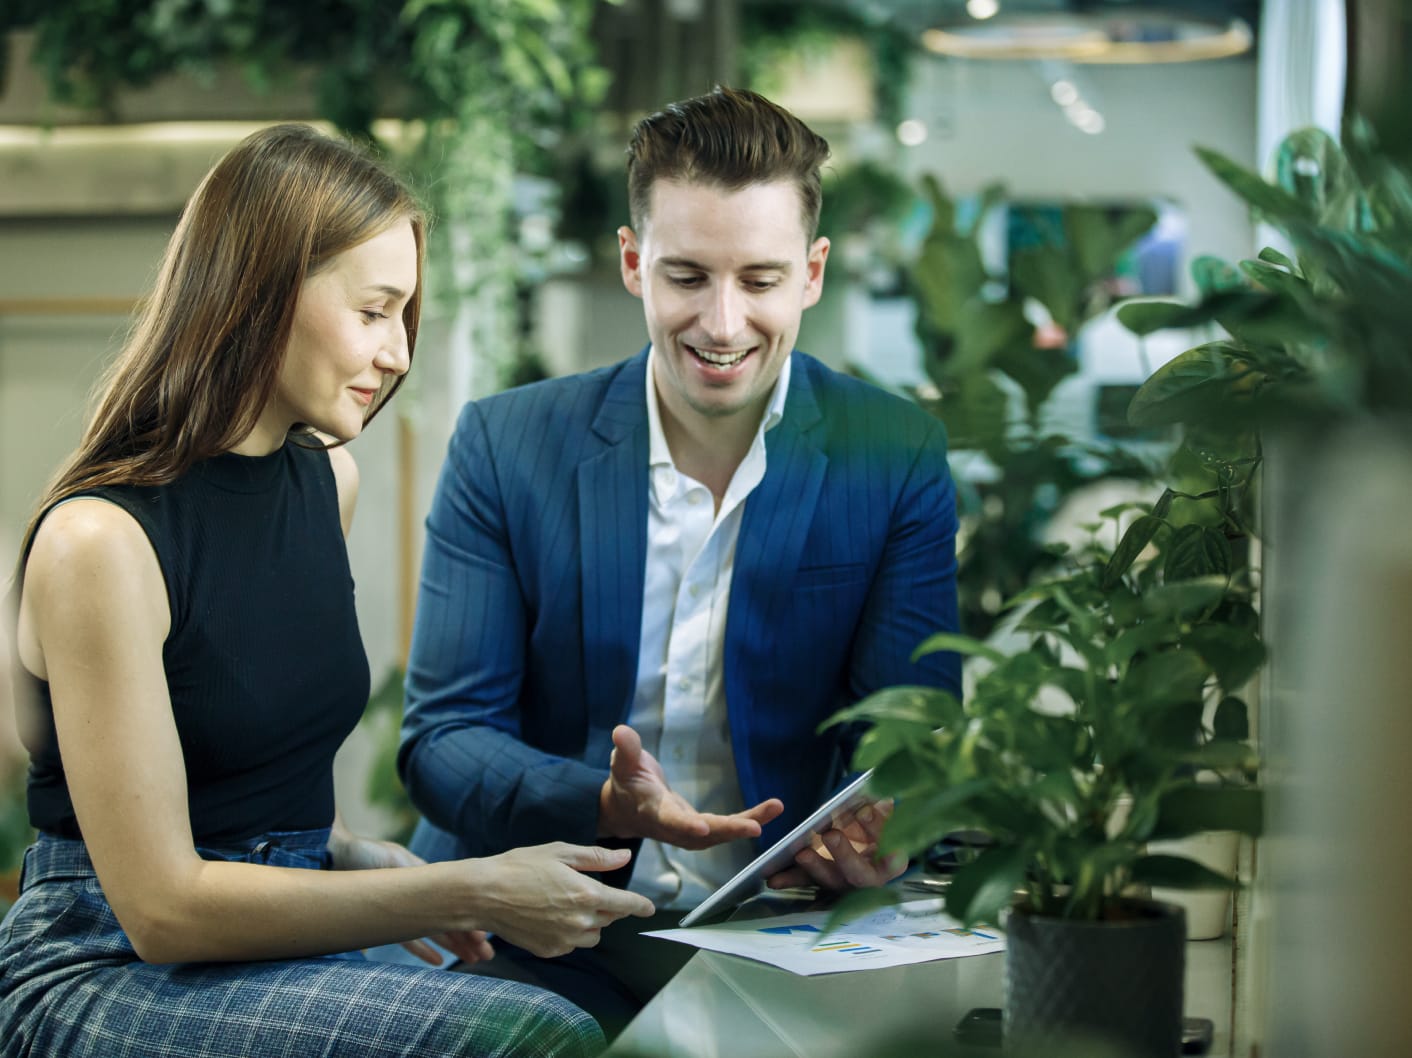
x=779, y=855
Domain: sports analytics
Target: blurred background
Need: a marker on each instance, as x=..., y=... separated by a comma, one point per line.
x=1005, y=172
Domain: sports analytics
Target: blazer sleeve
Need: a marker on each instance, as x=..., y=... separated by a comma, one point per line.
x=463, y=759
x=914, y=592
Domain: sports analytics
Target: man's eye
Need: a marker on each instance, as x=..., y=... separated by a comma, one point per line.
x=686, y=281
x=759, y=285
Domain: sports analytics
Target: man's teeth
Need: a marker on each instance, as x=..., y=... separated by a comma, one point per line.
x=720, y=359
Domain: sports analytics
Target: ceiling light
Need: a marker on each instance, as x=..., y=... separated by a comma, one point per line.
x=1090, y=121
x=1065, y=93
x=1133, y=37
x=911, y=133
x=982, y=9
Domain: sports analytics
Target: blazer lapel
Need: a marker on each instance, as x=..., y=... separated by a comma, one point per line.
x=773, y=528
x=612, y=492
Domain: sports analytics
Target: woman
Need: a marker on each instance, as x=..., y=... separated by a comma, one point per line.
x=186, y=615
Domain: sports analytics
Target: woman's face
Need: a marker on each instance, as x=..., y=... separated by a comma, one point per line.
x=347, y=342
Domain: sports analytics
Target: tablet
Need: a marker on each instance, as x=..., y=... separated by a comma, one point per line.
x=779, y=855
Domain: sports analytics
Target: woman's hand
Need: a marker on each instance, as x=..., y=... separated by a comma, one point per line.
x=352, y=852
x=540, y=899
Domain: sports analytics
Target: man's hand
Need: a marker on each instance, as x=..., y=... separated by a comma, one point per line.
x=636, y=802
x=845, y=856
x=354, y=853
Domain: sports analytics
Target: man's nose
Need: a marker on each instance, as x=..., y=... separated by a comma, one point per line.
x=724, y=317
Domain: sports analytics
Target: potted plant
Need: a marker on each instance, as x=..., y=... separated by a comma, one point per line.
x=1076, y=751
x=1113, y=718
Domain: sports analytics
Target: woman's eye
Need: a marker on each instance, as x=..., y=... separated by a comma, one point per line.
x=373, y=314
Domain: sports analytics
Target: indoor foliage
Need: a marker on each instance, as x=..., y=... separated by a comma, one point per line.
x=980, y=346
x=486, y=85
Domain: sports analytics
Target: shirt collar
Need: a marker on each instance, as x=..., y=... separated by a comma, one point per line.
x=658, y=452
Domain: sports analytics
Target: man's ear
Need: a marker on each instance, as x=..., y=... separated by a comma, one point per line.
x=630, y=261
x=814, y=271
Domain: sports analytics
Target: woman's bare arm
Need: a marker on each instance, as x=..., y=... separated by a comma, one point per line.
x=93, y=620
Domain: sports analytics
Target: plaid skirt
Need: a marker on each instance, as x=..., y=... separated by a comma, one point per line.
x=71, y=986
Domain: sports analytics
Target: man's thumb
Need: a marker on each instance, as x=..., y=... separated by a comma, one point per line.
x=628, y=746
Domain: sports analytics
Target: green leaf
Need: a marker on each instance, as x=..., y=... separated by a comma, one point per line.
x=1276, y=279
x=1194, y=809
x=1178, y=872
x=1138, y=639
x=1146, y=317
x=1310, y=165
x=981, y=890
x=858, y=902
x=958, y=643
x=1046, y=273
x=1274, y=257
x=1214, y=276
x=1174, y=676
x=1232, y=719
x=924, y=706
x=1274, y=203
x=1196, y=551
x=1189, y=387
x=885, y=740
x=1185, y=598
x=1234, y=654
x=1138, y=536
x=920, y=821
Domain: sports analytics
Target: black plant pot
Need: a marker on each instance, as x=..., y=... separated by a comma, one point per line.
x=1115, y=982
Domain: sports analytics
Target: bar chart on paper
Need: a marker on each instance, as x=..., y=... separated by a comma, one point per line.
x=912, y=932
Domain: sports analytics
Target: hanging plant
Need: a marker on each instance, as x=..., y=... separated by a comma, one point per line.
x=486, y=85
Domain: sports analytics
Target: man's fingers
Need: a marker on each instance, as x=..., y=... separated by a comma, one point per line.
x=627, y=749
x=789, y=878
x=678, y=818
x=821, y=872
x=857, y=869
x=423, y=951
x=765, y=810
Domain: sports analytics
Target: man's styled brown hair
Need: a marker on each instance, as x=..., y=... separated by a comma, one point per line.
x=204, y=355
x=729, y=138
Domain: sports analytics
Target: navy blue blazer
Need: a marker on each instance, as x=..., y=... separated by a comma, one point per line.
x=525, y=646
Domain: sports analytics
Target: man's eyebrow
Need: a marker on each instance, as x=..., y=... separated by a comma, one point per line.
x=755, y=266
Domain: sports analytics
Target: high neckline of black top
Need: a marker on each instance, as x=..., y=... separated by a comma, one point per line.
x=238, y=473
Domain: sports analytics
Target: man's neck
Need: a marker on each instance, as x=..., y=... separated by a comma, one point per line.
x=709, y=450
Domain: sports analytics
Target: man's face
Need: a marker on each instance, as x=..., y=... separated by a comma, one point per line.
x=724, y=277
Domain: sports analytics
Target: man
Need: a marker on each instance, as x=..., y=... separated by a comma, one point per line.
x=646, y=586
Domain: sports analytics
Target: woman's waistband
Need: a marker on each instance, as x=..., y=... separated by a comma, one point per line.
x=53, y=858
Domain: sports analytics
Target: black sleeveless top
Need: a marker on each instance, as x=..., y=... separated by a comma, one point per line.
x=264, y=663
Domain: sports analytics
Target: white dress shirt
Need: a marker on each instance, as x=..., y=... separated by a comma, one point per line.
x=679, y=707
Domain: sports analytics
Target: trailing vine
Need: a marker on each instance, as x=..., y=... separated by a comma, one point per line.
x=486, y=85
x=775, y=30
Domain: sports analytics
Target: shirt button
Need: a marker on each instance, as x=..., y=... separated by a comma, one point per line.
x=694, y=590
x=677, y=753
x=694, y=498
x=683, y=684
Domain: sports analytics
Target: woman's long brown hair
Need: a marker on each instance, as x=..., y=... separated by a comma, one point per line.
x=205, y=351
